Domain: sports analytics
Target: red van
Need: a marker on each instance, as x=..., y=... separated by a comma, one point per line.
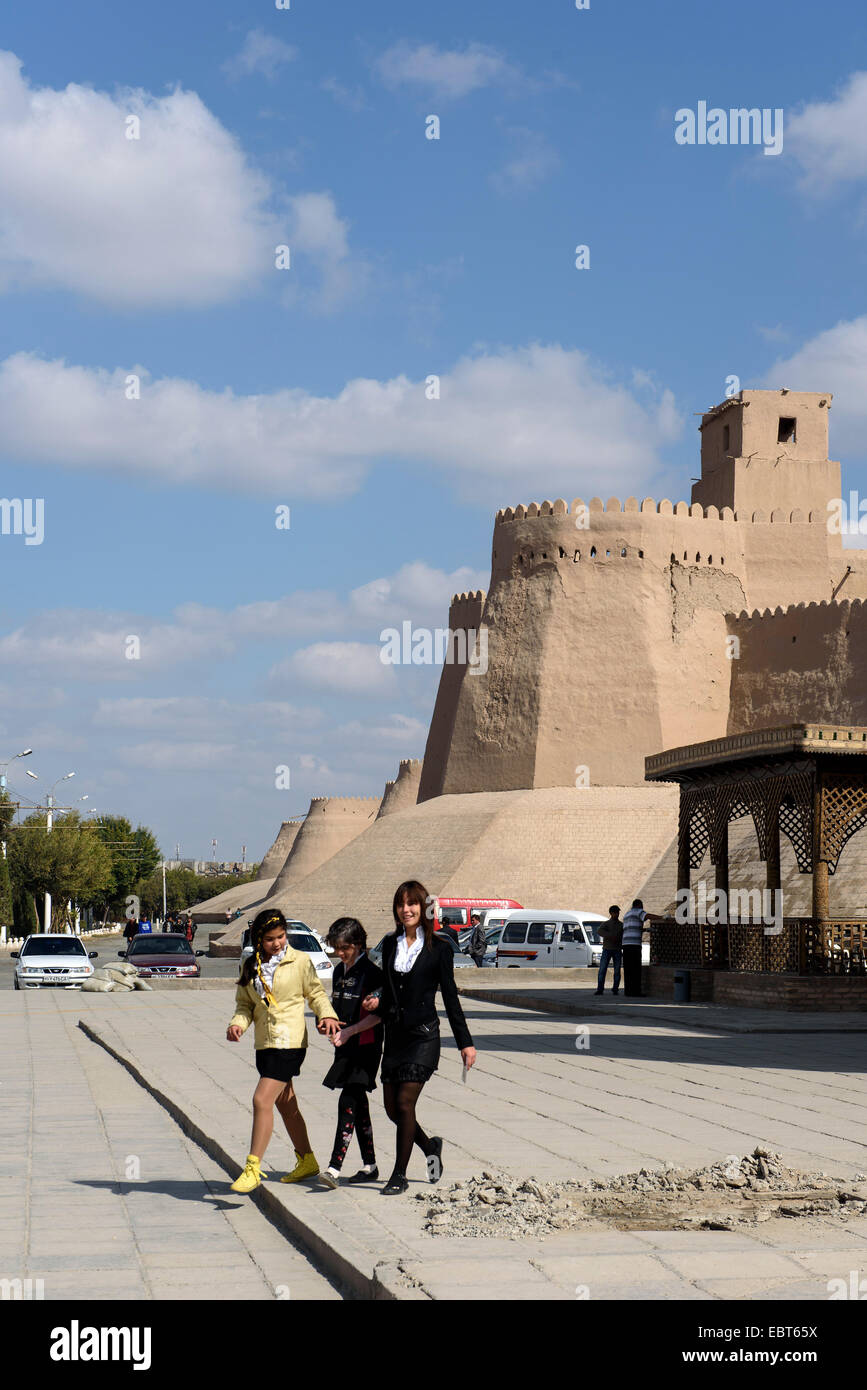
x=455, y=912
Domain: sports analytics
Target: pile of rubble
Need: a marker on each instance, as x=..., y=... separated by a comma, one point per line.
x=733, y=1192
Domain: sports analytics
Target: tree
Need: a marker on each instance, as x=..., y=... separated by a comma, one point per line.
x=70, y=863
x=6, y=913
x=134, y=856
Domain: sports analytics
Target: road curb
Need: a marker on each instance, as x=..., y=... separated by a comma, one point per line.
x=365, y=1279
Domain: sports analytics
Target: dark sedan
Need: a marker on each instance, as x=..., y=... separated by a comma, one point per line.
x=167, y=954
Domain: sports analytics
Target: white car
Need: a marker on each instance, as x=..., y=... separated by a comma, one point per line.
x=55, y=962
x=301, y=938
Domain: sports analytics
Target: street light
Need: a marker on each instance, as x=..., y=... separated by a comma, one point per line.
x=24, y=754
x=46, y=925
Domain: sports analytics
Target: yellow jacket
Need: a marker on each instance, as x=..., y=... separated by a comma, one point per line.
x=282, y=1024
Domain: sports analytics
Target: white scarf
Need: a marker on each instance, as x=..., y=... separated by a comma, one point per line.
x=267, y=969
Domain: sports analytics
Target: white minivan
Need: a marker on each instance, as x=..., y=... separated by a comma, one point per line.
x=549, y=937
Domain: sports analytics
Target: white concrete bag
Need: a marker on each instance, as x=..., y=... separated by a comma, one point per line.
x=95, y=985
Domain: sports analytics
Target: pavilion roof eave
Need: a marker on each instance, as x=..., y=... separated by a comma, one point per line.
x=757, y=744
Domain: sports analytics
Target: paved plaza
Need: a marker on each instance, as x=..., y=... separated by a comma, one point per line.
x=641, y=1094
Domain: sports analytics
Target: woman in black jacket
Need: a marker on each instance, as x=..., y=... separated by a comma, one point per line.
x=415, y=964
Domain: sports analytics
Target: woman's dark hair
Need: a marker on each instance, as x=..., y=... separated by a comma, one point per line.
x=347, y=931
x=264, y=921
x=415, y=892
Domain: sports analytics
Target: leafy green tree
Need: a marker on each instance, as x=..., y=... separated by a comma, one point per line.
x=6, y=913
x=134, y=856
x=70, y=863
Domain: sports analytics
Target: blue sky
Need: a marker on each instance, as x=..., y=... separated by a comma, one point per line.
x=305, y=387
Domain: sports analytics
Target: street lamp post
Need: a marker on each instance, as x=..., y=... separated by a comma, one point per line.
x=46, y=925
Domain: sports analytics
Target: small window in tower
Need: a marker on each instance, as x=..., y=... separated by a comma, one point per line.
x=673, y=558
x=593, y=552
x=608, y=554
x=623, y=552
x=725, y=439
x=697, y=557
x=786, y=433
x=641, y=554
x=577, y=556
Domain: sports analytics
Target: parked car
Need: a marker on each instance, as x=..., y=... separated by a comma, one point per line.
x=166, y=954
x=300, y=938
x=549, y=937
x=52, y=962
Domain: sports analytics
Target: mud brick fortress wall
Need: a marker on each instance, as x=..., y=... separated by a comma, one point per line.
x=607, y=621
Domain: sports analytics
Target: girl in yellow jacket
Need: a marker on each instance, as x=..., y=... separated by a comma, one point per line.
x=273, y=985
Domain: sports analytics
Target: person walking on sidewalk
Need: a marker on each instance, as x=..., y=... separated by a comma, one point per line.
x=272, y=987
x=611, y=936
x=358, y=1047
x=415, y=964
x=633, y=930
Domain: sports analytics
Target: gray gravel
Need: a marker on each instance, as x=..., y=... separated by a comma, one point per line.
x=732, y=1192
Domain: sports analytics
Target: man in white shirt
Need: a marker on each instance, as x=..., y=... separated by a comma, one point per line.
x=633, y=930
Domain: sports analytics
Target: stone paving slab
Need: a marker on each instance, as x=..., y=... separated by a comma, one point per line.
x=555, y=991
x=641, y=1095
x=69, y=1213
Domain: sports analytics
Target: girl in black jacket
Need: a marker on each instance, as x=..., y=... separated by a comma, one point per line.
x=358, y=1047
x=415, y=964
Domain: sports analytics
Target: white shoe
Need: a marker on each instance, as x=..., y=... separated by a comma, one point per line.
x=329, y=1177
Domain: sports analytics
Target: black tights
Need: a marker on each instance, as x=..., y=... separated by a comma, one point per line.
x=353, y=1113
x=400, y=1101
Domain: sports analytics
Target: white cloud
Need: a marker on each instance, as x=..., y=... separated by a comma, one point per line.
x=84, y=645
x=347, y=668
x=318, y=233
x=260, y=52
x=835, y=361
x=416, y=591
x=829, y=138
x=352, y=98
x=508, y=421
x=177, y=216
x=443, y=72
x=532, y=161
x=181, y=756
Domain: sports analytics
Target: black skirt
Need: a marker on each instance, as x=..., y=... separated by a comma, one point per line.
x=353, y=1067
x=409, y=1055
x=280, y=1063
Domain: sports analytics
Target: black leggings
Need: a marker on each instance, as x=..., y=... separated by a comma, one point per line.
x=400, y=1101
x=353, y=1113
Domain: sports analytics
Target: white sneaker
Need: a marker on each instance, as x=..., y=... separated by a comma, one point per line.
x=329, y=1176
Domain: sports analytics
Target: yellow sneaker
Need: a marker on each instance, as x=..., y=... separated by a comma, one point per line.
x=306, y=1167
x=251, y=1176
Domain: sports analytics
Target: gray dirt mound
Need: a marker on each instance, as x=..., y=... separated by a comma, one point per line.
x=733, y=1192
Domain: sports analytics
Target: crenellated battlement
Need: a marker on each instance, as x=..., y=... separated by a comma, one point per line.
x=692, y=511
x=747, y=615
x=346, y=803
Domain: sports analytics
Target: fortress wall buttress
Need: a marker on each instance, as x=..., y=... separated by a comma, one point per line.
x=808, y=661
x=465, y=614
